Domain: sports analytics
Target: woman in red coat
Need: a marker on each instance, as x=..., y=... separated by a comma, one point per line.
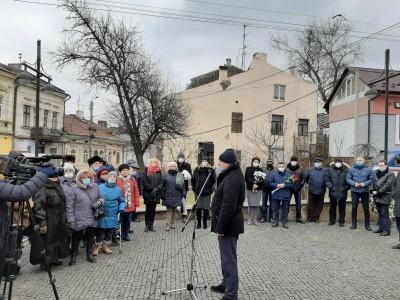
x=130, y=191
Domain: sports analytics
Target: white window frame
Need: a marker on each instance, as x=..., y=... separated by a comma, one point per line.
x=397, y=131
x=54, y=120
x=2, y=107
x=26, y=116
x=279, y=92
x=85, y=155
x=45, y=118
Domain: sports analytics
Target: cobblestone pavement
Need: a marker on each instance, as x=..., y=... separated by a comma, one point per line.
x=304, y=262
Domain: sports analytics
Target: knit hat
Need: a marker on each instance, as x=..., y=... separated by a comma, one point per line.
x=270, y=160
x=51, y=172
x=293, y=158
x=102, y=172
x=123, y=166
x=69, y=167
x=228, y=156
x=112, y=173
x=338, y=160
x=317, y=159
x=181, y=154
x=255, y=158
x=68, y=158
x=94, y=159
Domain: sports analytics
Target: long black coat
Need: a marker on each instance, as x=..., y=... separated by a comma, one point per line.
x=151, y=182
x=335, y=181
x=383, y=184
x=199, y=178
x=49, y=210
x=227, y=204
x=185, y=166
x=249, y=176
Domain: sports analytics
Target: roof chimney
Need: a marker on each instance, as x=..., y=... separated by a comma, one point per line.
x=102, y=123
x=228, y=62
x=17, y=66
x=223, y=72
x=79, y=114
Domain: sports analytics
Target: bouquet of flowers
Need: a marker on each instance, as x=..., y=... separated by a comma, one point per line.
x=291, y=180
x=186, y=175
x=258, y=177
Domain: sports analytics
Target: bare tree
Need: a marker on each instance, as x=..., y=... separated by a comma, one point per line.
x=365, y=150
x=338, y=141
x=320, y=52
x=109, y=56
x=187, y=145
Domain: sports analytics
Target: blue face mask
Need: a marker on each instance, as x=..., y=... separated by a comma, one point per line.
x=382, y=169
x=359, y=163
x=111, y=181
x=221, y=170
x=86, y=181
x=96, y=168
x=317, y=165
x=133, y=173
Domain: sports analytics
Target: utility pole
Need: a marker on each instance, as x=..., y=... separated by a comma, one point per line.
x=387, y=63
x=91, y=128
x=243, y=64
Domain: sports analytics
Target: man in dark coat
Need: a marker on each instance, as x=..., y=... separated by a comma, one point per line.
x=16, y=193
x=266, y=194
x=227, y=220
x=294, y=168
x=315, y=178
x=382, y=190
x=182, y=166
x=108, y=165
x=335, y=181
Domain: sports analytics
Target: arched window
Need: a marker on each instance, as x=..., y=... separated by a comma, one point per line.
x=95, y=153
x=101, y=152
x=118, y=158
x=73, y=152
x=85, y=156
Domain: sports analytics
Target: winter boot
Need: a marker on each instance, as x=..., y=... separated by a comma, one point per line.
x=147, y=227
x=152, y=227
x=255, y=215
x=97, y=249
x=353, y=225
x=89, y=250
x=368, y=226
x=198, y=215
x=104, y=247
x=74, y=252
x=205, y=217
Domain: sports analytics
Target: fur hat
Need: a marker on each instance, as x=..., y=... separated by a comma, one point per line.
x=317, y=159
x=293, y=158
x=338, y=160
x=172, y=163
x=68, y=158
x=123, y=166
x=255, y=158
x=228, y=156
x=94, y=159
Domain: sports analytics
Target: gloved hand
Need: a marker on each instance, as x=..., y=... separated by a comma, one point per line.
x=43, y=230
x=154, y=192
x=71, y=226
x=96, y=205
x=121, y=211
x=49, y=171
x=129, y=204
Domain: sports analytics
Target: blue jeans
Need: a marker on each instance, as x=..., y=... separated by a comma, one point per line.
x=297, y=199
x=383, y=219
x=285, y=210
x=355, y=197
x=266, y=196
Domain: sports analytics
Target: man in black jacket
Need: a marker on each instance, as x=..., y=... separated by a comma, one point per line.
x=227, y=220
x=294, y=168
x=266, y=194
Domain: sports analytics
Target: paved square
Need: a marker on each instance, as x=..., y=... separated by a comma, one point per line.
x=304, y=262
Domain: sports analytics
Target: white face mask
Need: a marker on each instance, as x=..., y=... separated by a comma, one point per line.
x=293, y=163
x=281, y=170
x=255, y=165
x=204, y=163
x=181, y=159
x=338, y=165
x=69, y=175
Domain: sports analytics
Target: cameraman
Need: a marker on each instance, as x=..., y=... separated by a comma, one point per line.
x=15, y=193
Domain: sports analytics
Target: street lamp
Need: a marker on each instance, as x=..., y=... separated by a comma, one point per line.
x=371, y=95
x=25, y=77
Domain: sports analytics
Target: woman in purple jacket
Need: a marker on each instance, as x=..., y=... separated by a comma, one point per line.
x=82, y=200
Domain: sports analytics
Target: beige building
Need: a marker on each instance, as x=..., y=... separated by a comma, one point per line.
x=264, y=111
x=7, y=91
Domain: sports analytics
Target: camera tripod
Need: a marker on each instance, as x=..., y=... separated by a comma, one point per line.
x=190, y=287
x=13, y=250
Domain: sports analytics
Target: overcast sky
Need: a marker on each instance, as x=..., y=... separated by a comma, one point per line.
x=186, y=48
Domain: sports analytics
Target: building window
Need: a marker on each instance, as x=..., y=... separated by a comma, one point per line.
x=118, y=159
x=237, y=121
x=27, y=116
x=279, y=92
x=45, y=117
x=303, y=127
x=304, y=153
x=277, y=125
x=1, y=107
x=95, y=153
x=55, y=119
x=73, y=152
x=85, y=156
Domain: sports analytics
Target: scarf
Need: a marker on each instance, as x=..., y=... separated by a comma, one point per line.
x=151, y=170
x=127, y=187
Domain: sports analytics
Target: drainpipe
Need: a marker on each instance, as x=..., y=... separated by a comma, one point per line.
x=14, y=115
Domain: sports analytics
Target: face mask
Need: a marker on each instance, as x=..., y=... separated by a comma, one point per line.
x=204, y=163
x=111, y=181
x=293, y=163
x=359, y=163
x=255, y=165
x=317, y=165
x=69, y=175
x=270, y=166
x=133, y=173
x=221, y=170
x=382, y=169
x=338, y=165
x=96, y=168
x=86, y=181
x=181, y=159
x=281, y=170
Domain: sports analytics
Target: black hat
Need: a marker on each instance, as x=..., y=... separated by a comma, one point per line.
x=293, y=158
x=123, y=166
x=318, y=159
x=68, y=158
x=94, y=159
x=338, y=160
x=255, y=158
x=228, y=156
x=270, y=160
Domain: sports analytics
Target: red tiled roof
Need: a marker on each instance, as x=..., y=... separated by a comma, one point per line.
x=76, y=126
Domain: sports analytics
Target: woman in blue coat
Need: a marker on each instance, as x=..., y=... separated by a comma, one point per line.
x=114, y=204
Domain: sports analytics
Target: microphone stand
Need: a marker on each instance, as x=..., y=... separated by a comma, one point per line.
x=189, y=287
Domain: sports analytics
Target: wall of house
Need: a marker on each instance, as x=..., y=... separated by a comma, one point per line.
x=341, y=138
x=6, y=111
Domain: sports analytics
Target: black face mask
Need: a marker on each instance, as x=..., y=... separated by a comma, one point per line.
x=172, y=172
x=269, y=166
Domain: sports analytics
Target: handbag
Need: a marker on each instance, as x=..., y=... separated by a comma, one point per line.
x=99, y=212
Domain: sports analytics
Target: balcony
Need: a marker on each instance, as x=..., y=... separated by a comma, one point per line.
x=46, y=133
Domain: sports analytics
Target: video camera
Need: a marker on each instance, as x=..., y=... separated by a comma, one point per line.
x=17, y=166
